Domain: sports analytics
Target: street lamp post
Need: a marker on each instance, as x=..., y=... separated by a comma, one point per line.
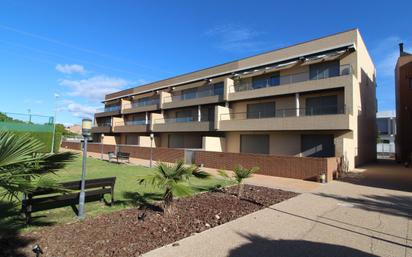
x=86, y=132
x=151, y=149
x=54, y=123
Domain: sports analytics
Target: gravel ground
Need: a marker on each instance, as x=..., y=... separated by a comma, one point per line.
x=123, y=234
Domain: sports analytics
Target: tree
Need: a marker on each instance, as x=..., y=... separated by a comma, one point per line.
x=171, y=178
x=239, y=174
x=22, y=166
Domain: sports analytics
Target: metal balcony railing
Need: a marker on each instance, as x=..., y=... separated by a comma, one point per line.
x=289, y=79
x=103, y=124
x=194, y=95
x=109, y=108
x=141, y=103
x=180, y=120
x=134, y=122
x=282, y=113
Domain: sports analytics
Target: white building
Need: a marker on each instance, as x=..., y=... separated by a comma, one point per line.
x=386, y=123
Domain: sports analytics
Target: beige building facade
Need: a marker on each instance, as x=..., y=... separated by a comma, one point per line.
x=316, y=98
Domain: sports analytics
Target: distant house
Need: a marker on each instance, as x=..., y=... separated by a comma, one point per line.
x=386, y=124
x=77, y=129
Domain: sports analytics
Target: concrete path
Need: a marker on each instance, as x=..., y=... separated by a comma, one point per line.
x=337, y=219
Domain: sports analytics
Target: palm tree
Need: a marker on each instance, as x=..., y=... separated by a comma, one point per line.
x=171, y=179
x=239, y=174
x=22, y=165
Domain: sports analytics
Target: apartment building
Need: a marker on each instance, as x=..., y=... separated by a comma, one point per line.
x=315, y=98
x=403, y=91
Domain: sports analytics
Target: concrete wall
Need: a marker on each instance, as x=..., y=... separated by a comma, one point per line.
x=365, y=99
x=214, y=144
x=284, y=143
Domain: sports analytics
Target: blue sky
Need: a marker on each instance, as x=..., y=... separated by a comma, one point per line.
x=85, y=49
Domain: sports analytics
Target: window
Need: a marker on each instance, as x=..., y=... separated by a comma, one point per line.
x=324, y=70
x=317, y=145
x=189, y=94
x=207, y=113
x=322, y=105
x=185, y=116
x=383, y=128
x=261, y=110
x=274, y=80
x=254, y=144
x=218, y=89
x=259, y=82
x=185, y=141
x=132, y=140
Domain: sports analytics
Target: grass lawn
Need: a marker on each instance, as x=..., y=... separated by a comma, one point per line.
x=127, y=193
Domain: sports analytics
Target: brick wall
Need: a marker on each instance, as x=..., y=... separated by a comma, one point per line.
x=159, y=153
x=281, y=166
x=71, y=145
x=272, y=165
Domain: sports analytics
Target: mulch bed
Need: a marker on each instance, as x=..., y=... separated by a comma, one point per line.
x=123, y=234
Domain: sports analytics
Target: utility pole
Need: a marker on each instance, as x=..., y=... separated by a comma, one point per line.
x=54, y=122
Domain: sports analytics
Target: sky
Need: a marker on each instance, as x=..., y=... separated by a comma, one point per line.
x=64, y=56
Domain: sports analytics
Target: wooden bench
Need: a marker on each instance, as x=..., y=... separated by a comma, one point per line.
x=121, y=156
x=95, y=189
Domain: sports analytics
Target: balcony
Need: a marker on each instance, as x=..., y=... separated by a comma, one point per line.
x=185, y=124
x=318, y=118
x=144, y=106
x=132, y=126
x=196, y=98
x=102, y=128
x=293, y=83
x=108, y=111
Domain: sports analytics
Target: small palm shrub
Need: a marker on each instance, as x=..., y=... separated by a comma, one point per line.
x=172, y=180
x=239, y=174
x=23, y=167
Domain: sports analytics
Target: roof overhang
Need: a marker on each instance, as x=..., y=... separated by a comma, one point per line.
x=275, y=63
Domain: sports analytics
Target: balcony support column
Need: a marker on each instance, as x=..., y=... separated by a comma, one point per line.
x=146, y=121
x=199, y=113
x=297, y=104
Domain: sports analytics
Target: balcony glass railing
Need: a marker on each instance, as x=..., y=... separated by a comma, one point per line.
x=135, y=122
x=109, y=108
x=180, y=120
x=141, y=104
x=131, y=123
x=102, y=124
x=194, y=95
x=289, y=79
x=282, y=113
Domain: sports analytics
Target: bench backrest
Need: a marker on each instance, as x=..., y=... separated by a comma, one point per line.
x=122, y=154
x=75, y=185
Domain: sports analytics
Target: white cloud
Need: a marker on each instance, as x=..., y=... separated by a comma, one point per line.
x=235, y=38
x=94, y=88
x=71, y=68
x=76, y=109
x=81, y=111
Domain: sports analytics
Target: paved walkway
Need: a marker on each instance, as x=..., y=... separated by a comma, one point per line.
x=369, y=213
x=337, y=219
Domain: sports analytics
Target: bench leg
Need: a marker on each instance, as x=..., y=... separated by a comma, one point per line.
x=112, y=198
x=28, y=217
